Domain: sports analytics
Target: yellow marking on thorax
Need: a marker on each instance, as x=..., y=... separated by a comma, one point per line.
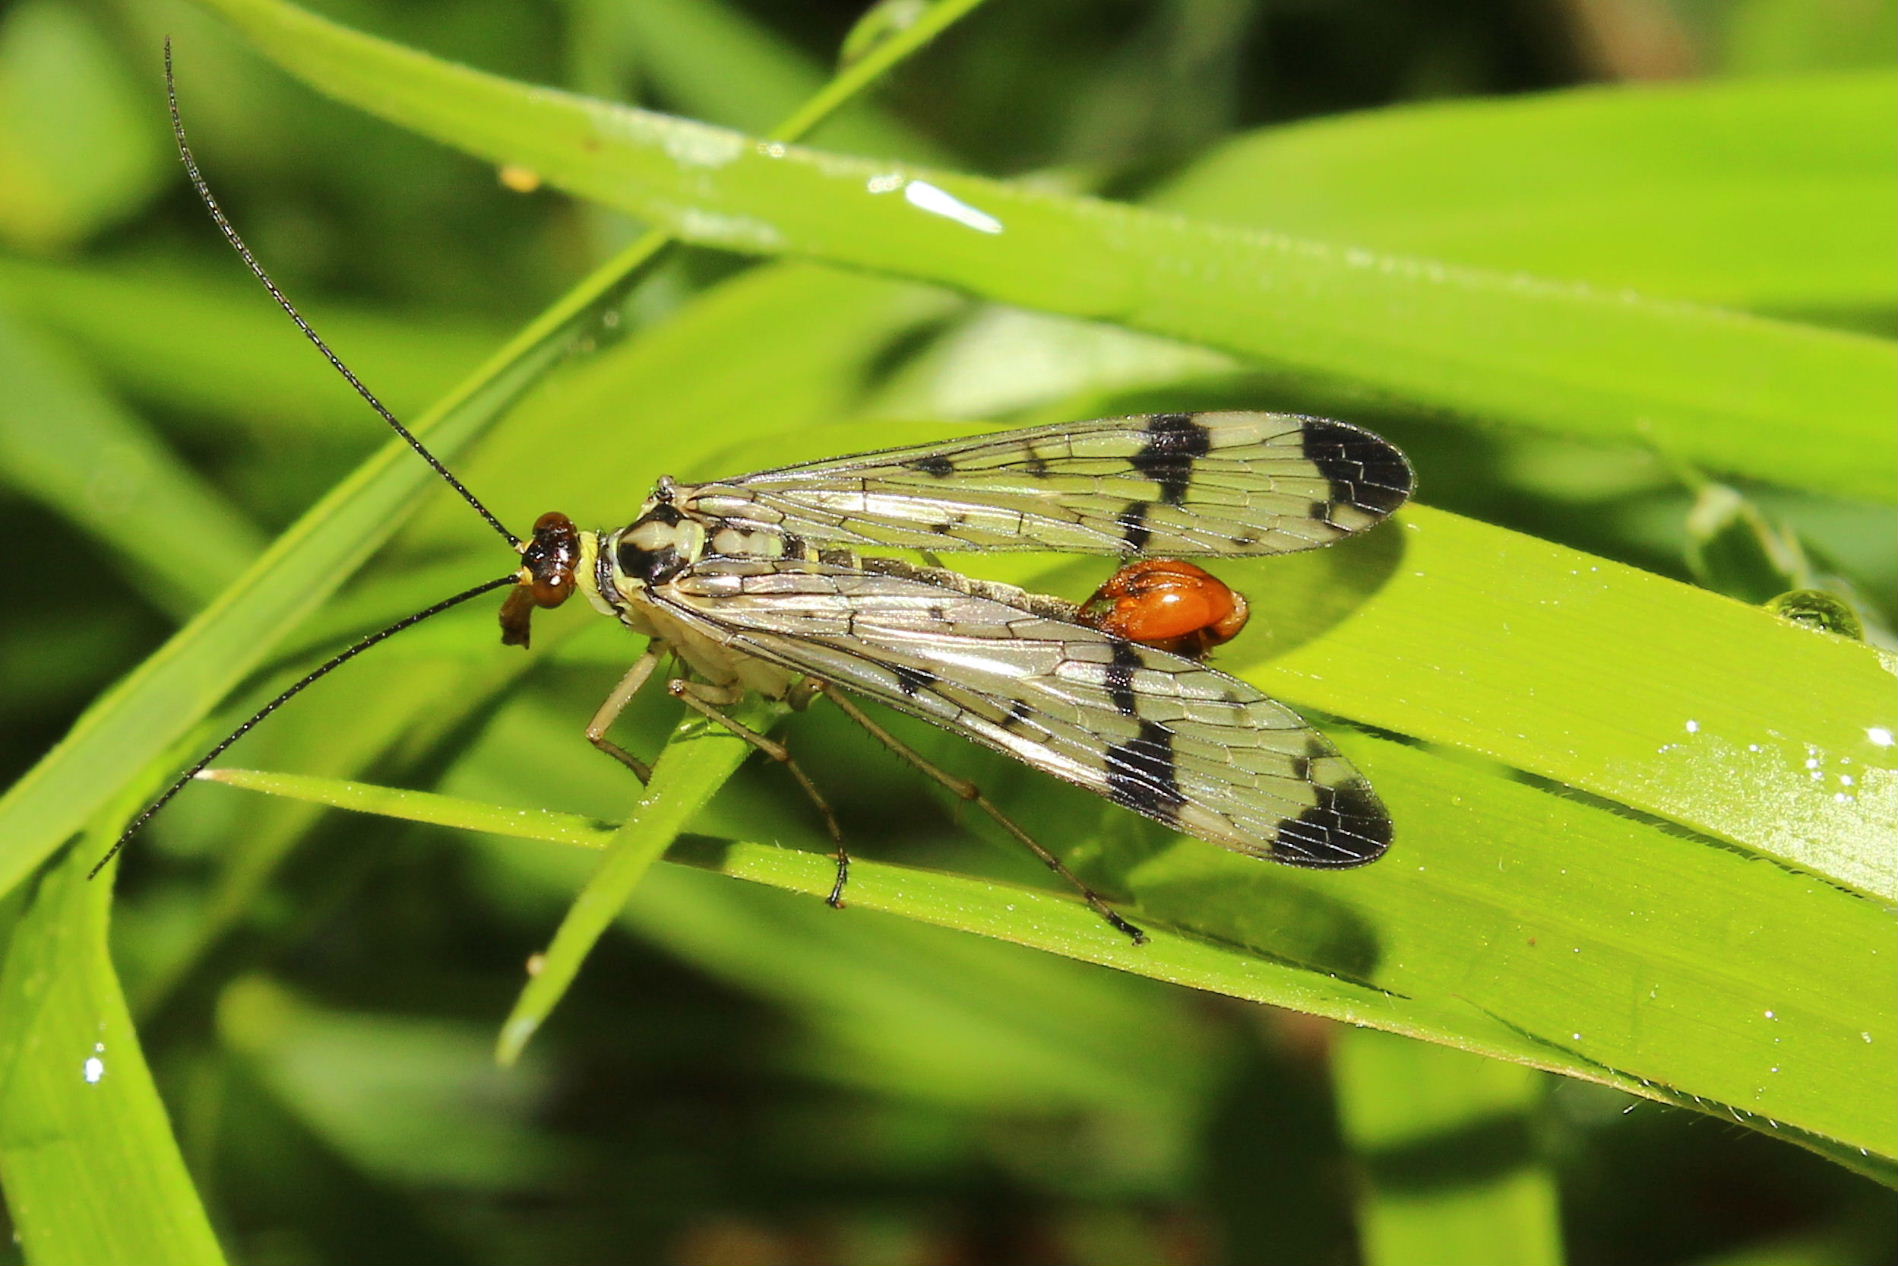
x=586, y=573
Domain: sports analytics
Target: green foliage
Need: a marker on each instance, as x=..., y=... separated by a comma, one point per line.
x=1644, y=800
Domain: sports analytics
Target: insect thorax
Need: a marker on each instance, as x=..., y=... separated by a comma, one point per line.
x=665, y=540
x=619, y=570
x=625, y=573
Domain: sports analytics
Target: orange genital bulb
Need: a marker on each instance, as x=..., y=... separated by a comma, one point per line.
x=1167, y=603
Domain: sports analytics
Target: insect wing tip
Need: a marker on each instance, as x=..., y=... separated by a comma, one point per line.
x=1365, y=470
x=1348, y=826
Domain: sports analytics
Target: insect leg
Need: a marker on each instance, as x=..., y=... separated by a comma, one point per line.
x=616, y=703
x=967, y=790
x=706, y=699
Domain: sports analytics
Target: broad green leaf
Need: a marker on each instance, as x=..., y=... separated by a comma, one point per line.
x=1779, y=401
x=1705, y=191
x=87, y=1159
x=1601, y=677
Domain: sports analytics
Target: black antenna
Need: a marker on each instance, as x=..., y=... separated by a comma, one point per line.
x=333, y=662
x=342, y=657
x=257, y=270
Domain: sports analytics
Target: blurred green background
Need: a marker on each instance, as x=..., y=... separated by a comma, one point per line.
x=741, y=1076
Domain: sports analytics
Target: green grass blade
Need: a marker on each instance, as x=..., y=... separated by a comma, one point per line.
x=687, y=775
x=87, y=1159
x=65, y=443
x=713, y=60
x=1520, y=924
x=77, y=152
x=165, y=335
x=1447, y=1146
x=138, y=719
x=1710, y=191
x=1782, y=402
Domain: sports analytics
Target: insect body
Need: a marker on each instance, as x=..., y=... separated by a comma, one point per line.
x=1168, y=603
x=761, y=584
x=755, y=584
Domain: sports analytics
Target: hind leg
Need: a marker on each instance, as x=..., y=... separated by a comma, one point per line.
x=967, y=790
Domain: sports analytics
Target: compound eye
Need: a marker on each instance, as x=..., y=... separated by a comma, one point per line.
x=552, y=590
x=549, y=559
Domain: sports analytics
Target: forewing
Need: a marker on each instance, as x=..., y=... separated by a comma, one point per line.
x=1180, y=742
x=1179, y=484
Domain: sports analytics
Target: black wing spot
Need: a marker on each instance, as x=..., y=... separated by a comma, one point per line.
x=935, y=465
x=1133, y=525
x=1119, y=678
x=1174, y=442
x=914, y=679
x=1362, y=469
x=1347, y=827
x=1018, y=713
x=1141, y=774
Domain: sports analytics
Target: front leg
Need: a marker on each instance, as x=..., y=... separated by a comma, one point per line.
x=616, y=703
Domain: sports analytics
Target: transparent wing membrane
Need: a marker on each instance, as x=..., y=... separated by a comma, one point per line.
x=1180, y=742
x=1183, y=484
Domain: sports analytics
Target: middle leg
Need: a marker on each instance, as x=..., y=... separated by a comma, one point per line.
x=709, y=701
